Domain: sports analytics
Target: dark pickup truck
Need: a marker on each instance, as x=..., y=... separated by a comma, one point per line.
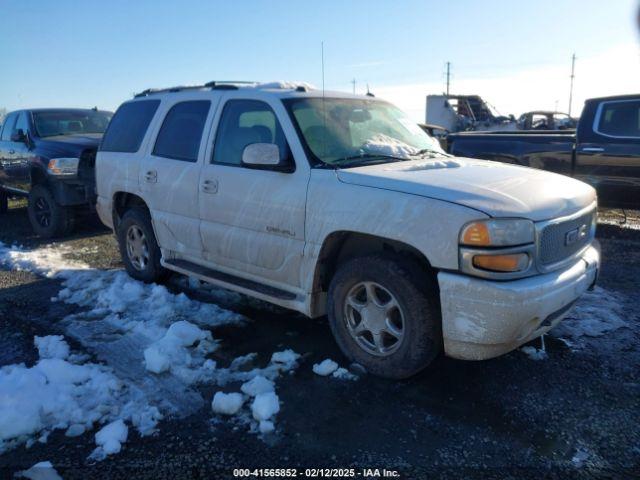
x=48, y=155
x=604, y=151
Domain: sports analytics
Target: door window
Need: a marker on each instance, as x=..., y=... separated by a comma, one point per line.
x=7, y=130
x=181, y=132
x=243, y=123
x=620, y=119
x=22, y=123
x=129, y=126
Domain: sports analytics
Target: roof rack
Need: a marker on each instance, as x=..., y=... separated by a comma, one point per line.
x=213, y=85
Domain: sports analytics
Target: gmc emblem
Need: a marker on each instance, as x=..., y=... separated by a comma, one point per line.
x=572, y=236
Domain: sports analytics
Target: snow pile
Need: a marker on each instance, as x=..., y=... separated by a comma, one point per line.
x=263, y=408
x=227, y=403
x=52, y=346
x=385, y=145
x=596, y=313
x=325, y=368
x=110, y=439
x=43, y=261
x=285, y=360
x=58, y=394
x=344, y=374
x=40, y=471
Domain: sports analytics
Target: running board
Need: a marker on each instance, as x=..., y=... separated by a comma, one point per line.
x=186, y=267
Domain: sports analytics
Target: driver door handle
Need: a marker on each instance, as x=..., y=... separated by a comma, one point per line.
x=593, y=149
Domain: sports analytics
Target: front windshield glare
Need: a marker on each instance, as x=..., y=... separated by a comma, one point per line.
x=342, y=132
x=64, y=122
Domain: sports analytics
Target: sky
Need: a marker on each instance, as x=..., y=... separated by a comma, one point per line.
x=516, y=54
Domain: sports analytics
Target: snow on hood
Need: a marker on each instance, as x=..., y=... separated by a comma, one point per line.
x=497, y=189
x=386, y=145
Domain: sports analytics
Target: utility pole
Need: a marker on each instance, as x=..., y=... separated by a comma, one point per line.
x=448, y=76
x=573, y=69
x=354, y=85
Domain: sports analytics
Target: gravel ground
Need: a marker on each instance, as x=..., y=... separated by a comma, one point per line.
x=572, y=415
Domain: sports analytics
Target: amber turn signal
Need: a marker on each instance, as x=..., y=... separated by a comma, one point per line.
x=502, y=263
x=477, y=234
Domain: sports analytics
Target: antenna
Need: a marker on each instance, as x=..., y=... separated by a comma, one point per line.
x=573, y=67
x=448, y=76
x=324, y=112
x=353, y=82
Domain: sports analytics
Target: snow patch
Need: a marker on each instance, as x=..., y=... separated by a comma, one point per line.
x=533, y=353
x=344, y=374
x=227, y=403
x=110, y=439
x=326, y=367
x=48, y=262
x=265, y=406
x=257, y=385
x=285, y=360
x=52, y=346
x=40, y=471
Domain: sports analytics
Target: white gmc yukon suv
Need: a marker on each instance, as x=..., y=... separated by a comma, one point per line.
x=329, y=203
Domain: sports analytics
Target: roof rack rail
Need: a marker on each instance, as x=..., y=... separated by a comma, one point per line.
x=227, y=84
x=151, y=91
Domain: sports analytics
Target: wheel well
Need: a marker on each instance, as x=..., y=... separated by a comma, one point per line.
x=123, y=201
x=342, y=246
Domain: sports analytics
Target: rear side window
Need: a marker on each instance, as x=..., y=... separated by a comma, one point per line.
x=128, y=126
x=620, y=119
x=181, y=131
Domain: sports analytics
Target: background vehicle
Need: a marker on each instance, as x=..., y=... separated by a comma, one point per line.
x=604, y=152
x=48, y=155
x=337, y=204
x=543, y=120
x=458, y=113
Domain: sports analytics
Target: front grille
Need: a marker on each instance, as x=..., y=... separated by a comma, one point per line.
x=560, y=241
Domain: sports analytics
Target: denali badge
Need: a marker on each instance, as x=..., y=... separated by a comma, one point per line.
x=572, y=236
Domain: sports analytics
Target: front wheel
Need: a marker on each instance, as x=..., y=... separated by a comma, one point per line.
x=48, y=219
x=385, y=315
x=138, y=247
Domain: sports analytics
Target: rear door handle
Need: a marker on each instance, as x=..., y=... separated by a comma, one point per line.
x=210, y=186
x=151, y=176
x=593, y=149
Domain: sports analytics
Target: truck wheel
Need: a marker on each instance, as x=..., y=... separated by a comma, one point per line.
x=139, y=248
x=4, y=202
x=48, y=218
x=384, y=314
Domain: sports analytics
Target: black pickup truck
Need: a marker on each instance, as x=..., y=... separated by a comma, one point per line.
x=48, y=155
x=604, y=151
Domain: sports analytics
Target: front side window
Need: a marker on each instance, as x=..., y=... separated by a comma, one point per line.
x=129, y=126
x=342, y=132
x=51, y=123
x=243, y=123
x=181, y=131
x=620, y=119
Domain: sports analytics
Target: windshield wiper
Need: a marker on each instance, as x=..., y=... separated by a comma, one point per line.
x=425, y=151
x=368, y=159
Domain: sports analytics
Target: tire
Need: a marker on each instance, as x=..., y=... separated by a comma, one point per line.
x=48, y=218
x=4, y=202
x=139, y=248
x=415, y=320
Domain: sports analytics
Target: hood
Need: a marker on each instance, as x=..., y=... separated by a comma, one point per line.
x=497, y=189
x=70, y=145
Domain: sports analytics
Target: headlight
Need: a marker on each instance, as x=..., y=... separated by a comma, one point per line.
x=63, y=167
x=501, y=248
x=498, y=233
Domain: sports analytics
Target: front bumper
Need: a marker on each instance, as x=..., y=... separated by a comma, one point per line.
x=483, y=318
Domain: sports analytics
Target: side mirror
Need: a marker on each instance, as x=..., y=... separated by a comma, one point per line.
x=18, y=135
x=264, y=156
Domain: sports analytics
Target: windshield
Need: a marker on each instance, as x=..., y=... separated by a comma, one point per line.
x=70, y=122
x=348, y=132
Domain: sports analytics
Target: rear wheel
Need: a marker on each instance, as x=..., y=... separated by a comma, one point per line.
x=385, y=315
x=4, y=202
x=138, y=247
x=48, y=218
